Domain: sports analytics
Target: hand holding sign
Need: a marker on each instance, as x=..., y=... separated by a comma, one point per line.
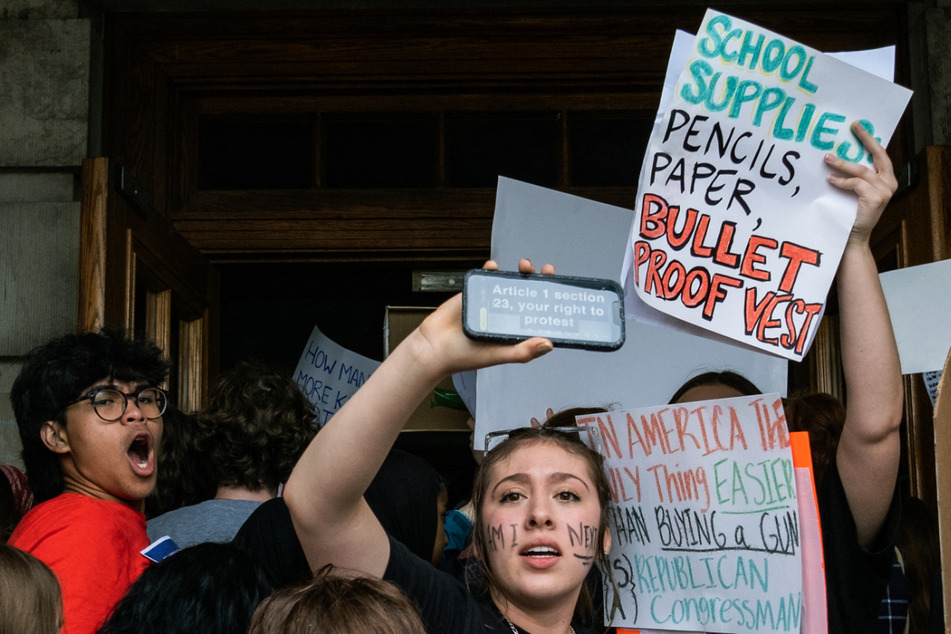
x=873, y=187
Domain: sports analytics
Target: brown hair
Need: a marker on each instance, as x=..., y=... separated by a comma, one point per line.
x=569, y=442
x=257, y=424
x=823, y=416
x=30, y=597
x=335, y=603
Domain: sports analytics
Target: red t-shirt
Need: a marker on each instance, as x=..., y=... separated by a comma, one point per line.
x=93, y=547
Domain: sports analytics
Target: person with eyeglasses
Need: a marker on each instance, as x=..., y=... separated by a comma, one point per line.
x=89, y=411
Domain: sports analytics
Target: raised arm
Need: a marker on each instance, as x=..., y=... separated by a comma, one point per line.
x=325, y=491
x=869, y=448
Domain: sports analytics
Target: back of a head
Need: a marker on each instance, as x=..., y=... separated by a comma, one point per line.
x=54, y=374
x=256, y=425
x=30, y=598
x=822, y=416
x=404, y=496
x=210, y=588
x=183, y=474
x=337, y=604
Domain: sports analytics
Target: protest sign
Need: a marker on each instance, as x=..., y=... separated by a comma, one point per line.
x=705, y=516
x=587, y=238
x=736, y=229
x=329, y=374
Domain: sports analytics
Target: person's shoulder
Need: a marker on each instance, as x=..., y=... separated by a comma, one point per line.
x=51, y=514
x=181, y=513
x=73, y=527
x=83, y=515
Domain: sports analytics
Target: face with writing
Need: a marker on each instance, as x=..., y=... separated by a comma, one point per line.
x=541, y=515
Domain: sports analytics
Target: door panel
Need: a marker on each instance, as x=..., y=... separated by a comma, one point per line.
x=137, y=275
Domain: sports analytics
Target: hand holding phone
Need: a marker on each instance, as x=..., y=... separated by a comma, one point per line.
x=573, y=312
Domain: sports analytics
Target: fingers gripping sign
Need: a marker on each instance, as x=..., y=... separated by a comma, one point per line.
x=872, y=187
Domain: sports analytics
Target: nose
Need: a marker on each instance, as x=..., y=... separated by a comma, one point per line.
x=539, y=513
x=132, y=412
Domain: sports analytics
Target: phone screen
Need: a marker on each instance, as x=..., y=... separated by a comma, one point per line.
x=575, y=312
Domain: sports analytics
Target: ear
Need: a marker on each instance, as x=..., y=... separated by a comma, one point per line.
x=607, y=542
x=53, y=434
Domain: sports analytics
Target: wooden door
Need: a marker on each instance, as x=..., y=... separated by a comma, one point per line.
x=138, y=275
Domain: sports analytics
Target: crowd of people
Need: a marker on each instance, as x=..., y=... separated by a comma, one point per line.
x=259, y=523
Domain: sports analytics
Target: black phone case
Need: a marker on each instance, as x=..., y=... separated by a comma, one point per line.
x=579, y=282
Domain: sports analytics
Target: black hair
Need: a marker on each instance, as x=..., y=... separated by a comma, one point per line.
x=210, y=588
x=54, y=374
x=9, y=517
x=184, y=476
x=726, y=377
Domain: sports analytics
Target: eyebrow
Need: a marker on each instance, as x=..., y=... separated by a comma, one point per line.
x=115, y=386
x=557, y=477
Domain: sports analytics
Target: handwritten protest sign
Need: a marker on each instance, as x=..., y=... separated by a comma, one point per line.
x=329, y=374
x=736, y=229
x=705, y=524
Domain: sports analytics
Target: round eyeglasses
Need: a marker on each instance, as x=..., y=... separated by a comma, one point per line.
x=110, y=404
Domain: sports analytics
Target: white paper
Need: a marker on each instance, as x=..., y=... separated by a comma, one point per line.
x=919, y=303
x=328, y=374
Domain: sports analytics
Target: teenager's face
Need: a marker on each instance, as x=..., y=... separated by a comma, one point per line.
x=110, y=460
x=541, y=515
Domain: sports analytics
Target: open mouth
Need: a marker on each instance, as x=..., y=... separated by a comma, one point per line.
x=540, y=551
x=140, y=453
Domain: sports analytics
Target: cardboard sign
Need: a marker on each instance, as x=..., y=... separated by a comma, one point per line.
x=705, y=522
x=329, y=374
x=942, y=426
x=736, y=229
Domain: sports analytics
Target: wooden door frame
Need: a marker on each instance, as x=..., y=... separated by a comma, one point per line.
x=123, y=253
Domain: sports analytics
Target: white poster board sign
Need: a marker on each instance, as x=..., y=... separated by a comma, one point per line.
x=736, y=229
x=705, y=520
x=919, y=304
x=587, y=238
x=328, y=374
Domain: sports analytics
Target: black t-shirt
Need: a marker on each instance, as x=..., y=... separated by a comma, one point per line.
x=403, y=496
x=268, y=535
x=444, y=602
x=855, y=578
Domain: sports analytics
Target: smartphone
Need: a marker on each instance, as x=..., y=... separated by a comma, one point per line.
x=573, y=312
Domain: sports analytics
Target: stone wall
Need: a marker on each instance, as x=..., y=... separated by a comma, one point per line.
x=44, y=128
